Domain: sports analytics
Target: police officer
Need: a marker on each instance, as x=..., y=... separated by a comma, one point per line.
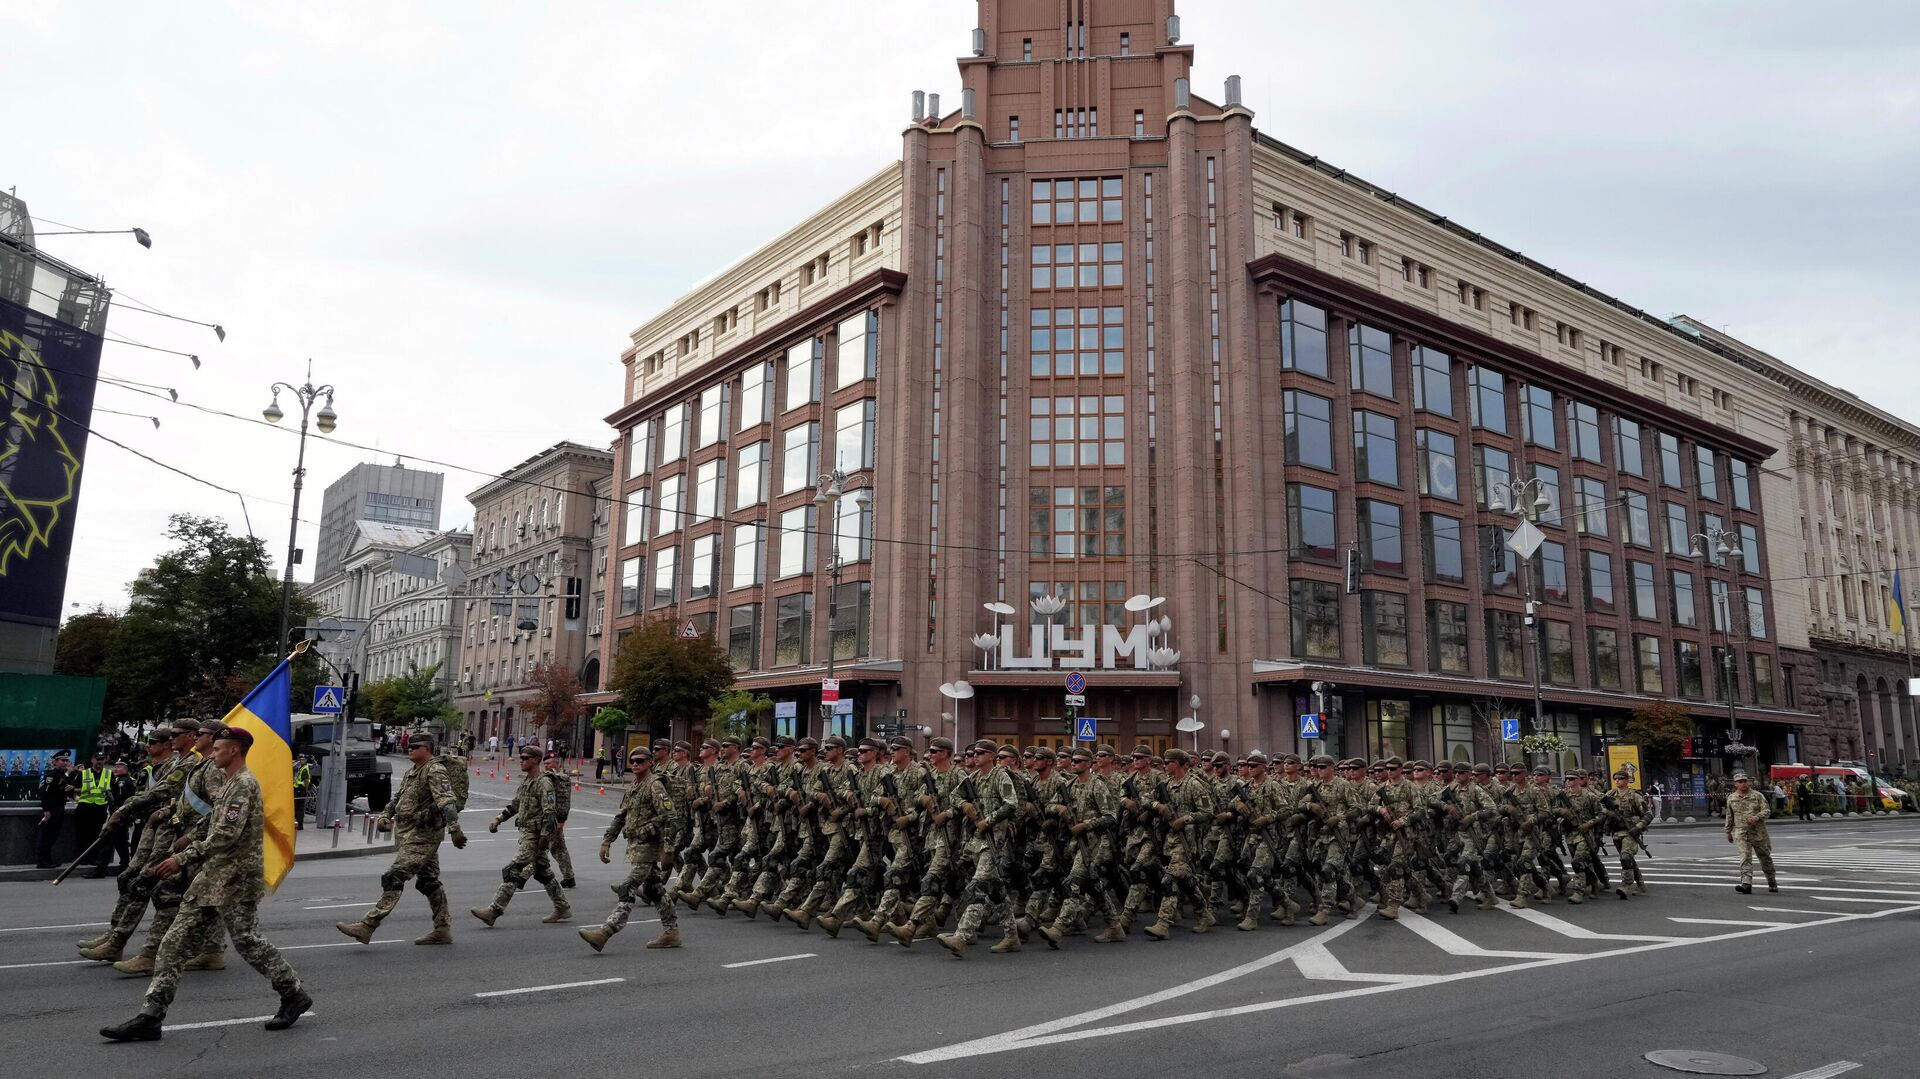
x=302, y=787
x=90, y=811
x=56, y=786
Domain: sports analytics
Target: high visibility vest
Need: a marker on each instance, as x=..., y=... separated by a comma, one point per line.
x=93, y=787
x=302, y=775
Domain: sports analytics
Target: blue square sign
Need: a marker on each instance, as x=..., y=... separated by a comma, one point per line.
x=328, y=700
x=1509, y=730
x=1310, y=725
x=1086, y=729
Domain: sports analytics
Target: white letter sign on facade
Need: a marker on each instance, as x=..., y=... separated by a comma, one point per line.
x=1076, y=648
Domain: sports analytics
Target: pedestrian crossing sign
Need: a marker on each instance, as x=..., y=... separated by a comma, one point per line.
x=1310, y=725
x=1086, y=729
x=327, y=700
x=1509, y=730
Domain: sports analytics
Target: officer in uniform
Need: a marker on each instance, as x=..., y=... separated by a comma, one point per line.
x=420, y=814
x=646, y=817
x=227, y=887
x=533, y=808
x=90, y=811
x=56, y=786
x=120, y=791
x=1747, y=830
x=302, y=789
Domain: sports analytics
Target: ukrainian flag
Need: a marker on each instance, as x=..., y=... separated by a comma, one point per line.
x=1897, y=618
x=267, y=715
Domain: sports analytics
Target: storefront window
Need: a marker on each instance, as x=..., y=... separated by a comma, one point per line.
x=1387, y=728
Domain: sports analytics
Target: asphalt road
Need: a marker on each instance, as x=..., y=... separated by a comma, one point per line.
x=1817, y=975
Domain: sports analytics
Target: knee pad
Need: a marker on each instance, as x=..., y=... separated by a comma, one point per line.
x=650, y=889
x=507, y=874
x=392, y=880
x=427, y=884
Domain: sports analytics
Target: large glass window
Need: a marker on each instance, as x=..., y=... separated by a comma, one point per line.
x=793, y=630
x=1303, y=338
x=1446, y=637
x=1381, y=537
x=743, y=636
x=1683, y=608
x=633, y=526
x=1628, y=454
x=1491, y=468
x=673, y=434
x=1557, y=647
x=1453, y=732
x=666, y=577
x=708, y=484
x=1551, y=563
x=1440, y=536
x=1603, y=658
x=1387, y=728
x=1504, y=643
x=796, y=541
x=1087, y=430
x=1439, y=468
x=1679, y=536
x=1648, y=675
x=1309, y=421
x=1066, y=341
x=1646, y=590
x=1742, y=485
x=703, y=568
x=1499, y=561
x=1432, y=380
x=853, y=436
x=1056, y=201
x=640, y=449
x=1310, y=523
x=1551, y=513
x=1086, y=265
x=1749, y=549
x=1708, y=472
x=799, y=456
x=1756, y=614
x=756, y=395
x=1370, y=360
x=1636, y=526
x=1717, y=604
x=858, y=354
x=852, y=619
x=1686, y=657
x=1590, y=496
x=1599, y=580
x=1760, y=674
x=630, y=585
x=1487, y=399
x=853, y=530
x=750, y=476
x=1712, y=524
x=748, y=554
x=1583, y=431
x=1670, y=462
x=713, y=414
x=1316, y=619
x=1536, y=416
x=669, y=508
x=803, y=372
x=1376, y=449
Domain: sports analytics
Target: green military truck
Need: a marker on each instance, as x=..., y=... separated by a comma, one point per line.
x=368, y=776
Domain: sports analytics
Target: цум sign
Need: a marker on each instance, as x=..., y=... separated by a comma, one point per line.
x=1074, y=646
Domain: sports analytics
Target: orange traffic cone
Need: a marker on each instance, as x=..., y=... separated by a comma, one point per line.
x=603, y=790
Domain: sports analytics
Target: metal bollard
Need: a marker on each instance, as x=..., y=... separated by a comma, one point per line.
x=336, y=833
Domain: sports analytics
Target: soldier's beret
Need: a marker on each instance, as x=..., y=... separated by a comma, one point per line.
x=1482, y=770
x=899, y=741
x=1623, y=774
x=239, y=736
x=1104, y=748
x=945, y=744
x=640, y=753
x=1042, y=753
x=1256, y=757
x=1178, y=754
x=157, y=735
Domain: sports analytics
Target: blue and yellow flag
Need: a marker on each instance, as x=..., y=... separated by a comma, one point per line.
x=1897, y=618
x=267, y=715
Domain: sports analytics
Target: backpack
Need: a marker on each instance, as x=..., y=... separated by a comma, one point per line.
x=457, y=772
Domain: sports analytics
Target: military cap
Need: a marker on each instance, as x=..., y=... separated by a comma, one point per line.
x=945, y=744
x=1042, y=753
x=782, y=741
x=63, y=755
x=1320, y=760
x=833, y=741
x=874, y=744
x=1008, y=747
x=731, y=740
x=1220, y=757
x=530, y=751
x=422, y=738
x=1742, y=775
x=1391, y=762
x=212, y=728
x=186, y=726
x=1141, y=751
x=1178, y=754
x=640, y=753
x=760, y=743
x=1623, y=774
x=1482, y=770
x=1353, y=762
x=1080, y=753
x=683, y=747
x=1444, y=766
x=1418, y=765
x=158, y=735
x=239, y=736
x=1105, y=747
x=1288, y=758
x=710, y=744
x=1542, y=770
x=663, y=746
x=808, y=742
x=1500, y=769
x=1256, y=757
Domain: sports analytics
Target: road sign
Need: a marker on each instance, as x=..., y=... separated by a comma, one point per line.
x=843, y=706
x=1076, y=700
x=1310, y=724
x=901, y=715
x=1526, y=539
x=1509, y=730
x=1086, y=729
x=786, y=709
x=829, y=690
x=889, y=729
x=1076, y=682
x=687, y=630
x=328, y=700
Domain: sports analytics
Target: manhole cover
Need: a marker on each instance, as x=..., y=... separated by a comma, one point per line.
x=1702, y=1063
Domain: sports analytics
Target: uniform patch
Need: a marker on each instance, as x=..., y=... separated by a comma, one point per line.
x=233, y=814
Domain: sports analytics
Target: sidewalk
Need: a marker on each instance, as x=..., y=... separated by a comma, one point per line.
x=309, y=845
x=1775, y=822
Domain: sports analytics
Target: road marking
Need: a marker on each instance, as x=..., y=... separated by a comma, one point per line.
x=1805, y=890
x=1579, y=932
x=36, y=928
x=337, y=944
x=1453, y=943
x=1858, y=899
x=1875, y=880
x=336, y=906
x=549, y=988
x=1826, y=1071
x=224, y=1022
x=1799, y=910
x=55, y=963
x=775, y=959
x=1316, y=963
x=1721, y=921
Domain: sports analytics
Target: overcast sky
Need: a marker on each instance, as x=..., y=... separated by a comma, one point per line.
x=459, y=210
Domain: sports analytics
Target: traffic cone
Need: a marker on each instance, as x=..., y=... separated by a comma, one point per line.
x=603, y=790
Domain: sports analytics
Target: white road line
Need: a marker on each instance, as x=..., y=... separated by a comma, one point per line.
x=1579, y=932
x=1454, y=944
x=549, y=988
x=1802, y=910
x=170, y=1027
x=1826, y=1071
x=775, y=959
x=1721, y=921
x=338, y=944
x=336, y=906
x=55, y=963
x=1858, y=899
x=1911, y=895
x=36, y=928
x=1316, y=963
x=1874, y=880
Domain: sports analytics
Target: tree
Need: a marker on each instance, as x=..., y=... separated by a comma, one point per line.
x=202, y=620
x=662, y=676
x=410, y=699
x=1660, y=729
x=745, y=704
x=84, y=644
x=1487, y=713
x=609, y=721
x=552, y=697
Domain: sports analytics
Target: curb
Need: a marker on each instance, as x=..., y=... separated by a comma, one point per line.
x=10, y=874
x=342, y=852
x=1774, y=822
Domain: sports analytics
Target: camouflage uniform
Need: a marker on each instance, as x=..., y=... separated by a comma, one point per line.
x=532, y=811
x=1090, y=812
x=562, y=807
x=941, y=842
x=907, y=789
x=725, y=804
x=994, y=798
x=200, y=789
x=420, y=814
x=1479, y=817
x=136, y=885
x=645, y=818
x=1400, y=823
x=1188, y=804
x=1631, y=817
x=1747, y=830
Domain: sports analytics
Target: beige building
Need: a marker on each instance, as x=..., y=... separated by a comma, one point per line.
x=532, y=550
x=1097, y=339
x=411, y=620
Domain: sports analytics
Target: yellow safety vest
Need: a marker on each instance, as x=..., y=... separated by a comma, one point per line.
x=93, y=786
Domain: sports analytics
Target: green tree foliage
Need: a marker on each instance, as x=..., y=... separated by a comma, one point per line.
x=411, y=699
x=201, y=626
x=551, y=699
x=84, y=644
x=1659, y=728
x=610, y=721
x=737, y=712
x=662, y=676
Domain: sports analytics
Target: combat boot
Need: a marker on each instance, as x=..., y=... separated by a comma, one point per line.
x=691, y=898
x=870, y=927
x=109, y=948
x=292, y=1007
x=487, y=914
x=96, y=941
x=831, y=923
x=1521, y=902
x=440, y=934
x=559, y=915
x=721, y=904
x=359, y=931
x=1249, y=923
x=207, y=961
x=1319, y=918
x=905, y=934
x=1575, y=898
x=1391, y=911
x=1008, y=943
x=801, y=916
x=1206, y=921
x=1159, y=930
x=1112, y=934
x=139, y=964
x=1620, y=889
x=141, y=1028
x=1024, y=926
x=748, y=906
x=954, y=943
x=1488, y=902
x=597, y=937
x=1772, y=884
x=667, y=939
x=774, y=909
x=1052, y=934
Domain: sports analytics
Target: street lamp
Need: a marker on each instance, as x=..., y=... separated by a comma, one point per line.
x=1526, y=499
x=1725, y=543
x=326, y=419
x=830, y=489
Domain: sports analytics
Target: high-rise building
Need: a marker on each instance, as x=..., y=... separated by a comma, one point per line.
x=390, y=494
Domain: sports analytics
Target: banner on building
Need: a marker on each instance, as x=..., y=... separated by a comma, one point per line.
x=49, y=368
x=1627, y=757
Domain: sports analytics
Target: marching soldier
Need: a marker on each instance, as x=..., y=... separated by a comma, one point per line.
x=1747, y=830
x=167, y=750
x=422, y=811
x=724, y=808
x=990, y=802
x=1188, y=801
x=645, y=818
x=1090, y=815
x=563, y=806
x=942, y=843
x=751, y=844
x=870, y=803
x=533, y=809
x=199, y=789
x=1631, y=818
x=904, y=787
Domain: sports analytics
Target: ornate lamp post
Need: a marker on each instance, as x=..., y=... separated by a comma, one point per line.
x=326, y=419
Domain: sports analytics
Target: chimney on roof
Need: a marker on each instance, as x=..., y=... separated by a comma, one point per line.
x=919, y=105
x=1233, y=90
x=979, y=41
x=933, y=107
x=1182, y=93
x=966, y=104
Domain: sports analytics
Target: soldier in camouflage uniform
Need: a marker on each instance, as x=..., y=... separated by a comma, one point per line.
x=532, y=809
x=942, y=842
x=1089, y=814
x=149, y=807
x=1048, y=855
x=199, y=789
x=777, y=826
x=228, y=884
x=1329, y=802
x=1746, y=818
x=645, y=818
x=989, y=800
x=1186, y=804
x=725, y=805
x=903, y=785
x=1585, y=817
x=1535, y=801
x=1141, y=856
x=1631, y=819
x=421, y=813
x=1479, y=817
x=866, y=835
x=1398, y=806
x=751, y=846
x=809, y=836
x=562, y=808
x=834, y=797
x=693, y=856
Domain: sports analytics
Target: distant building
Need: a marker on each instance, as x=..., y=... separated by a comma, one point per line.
x=415, y=619
x=389, y=494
